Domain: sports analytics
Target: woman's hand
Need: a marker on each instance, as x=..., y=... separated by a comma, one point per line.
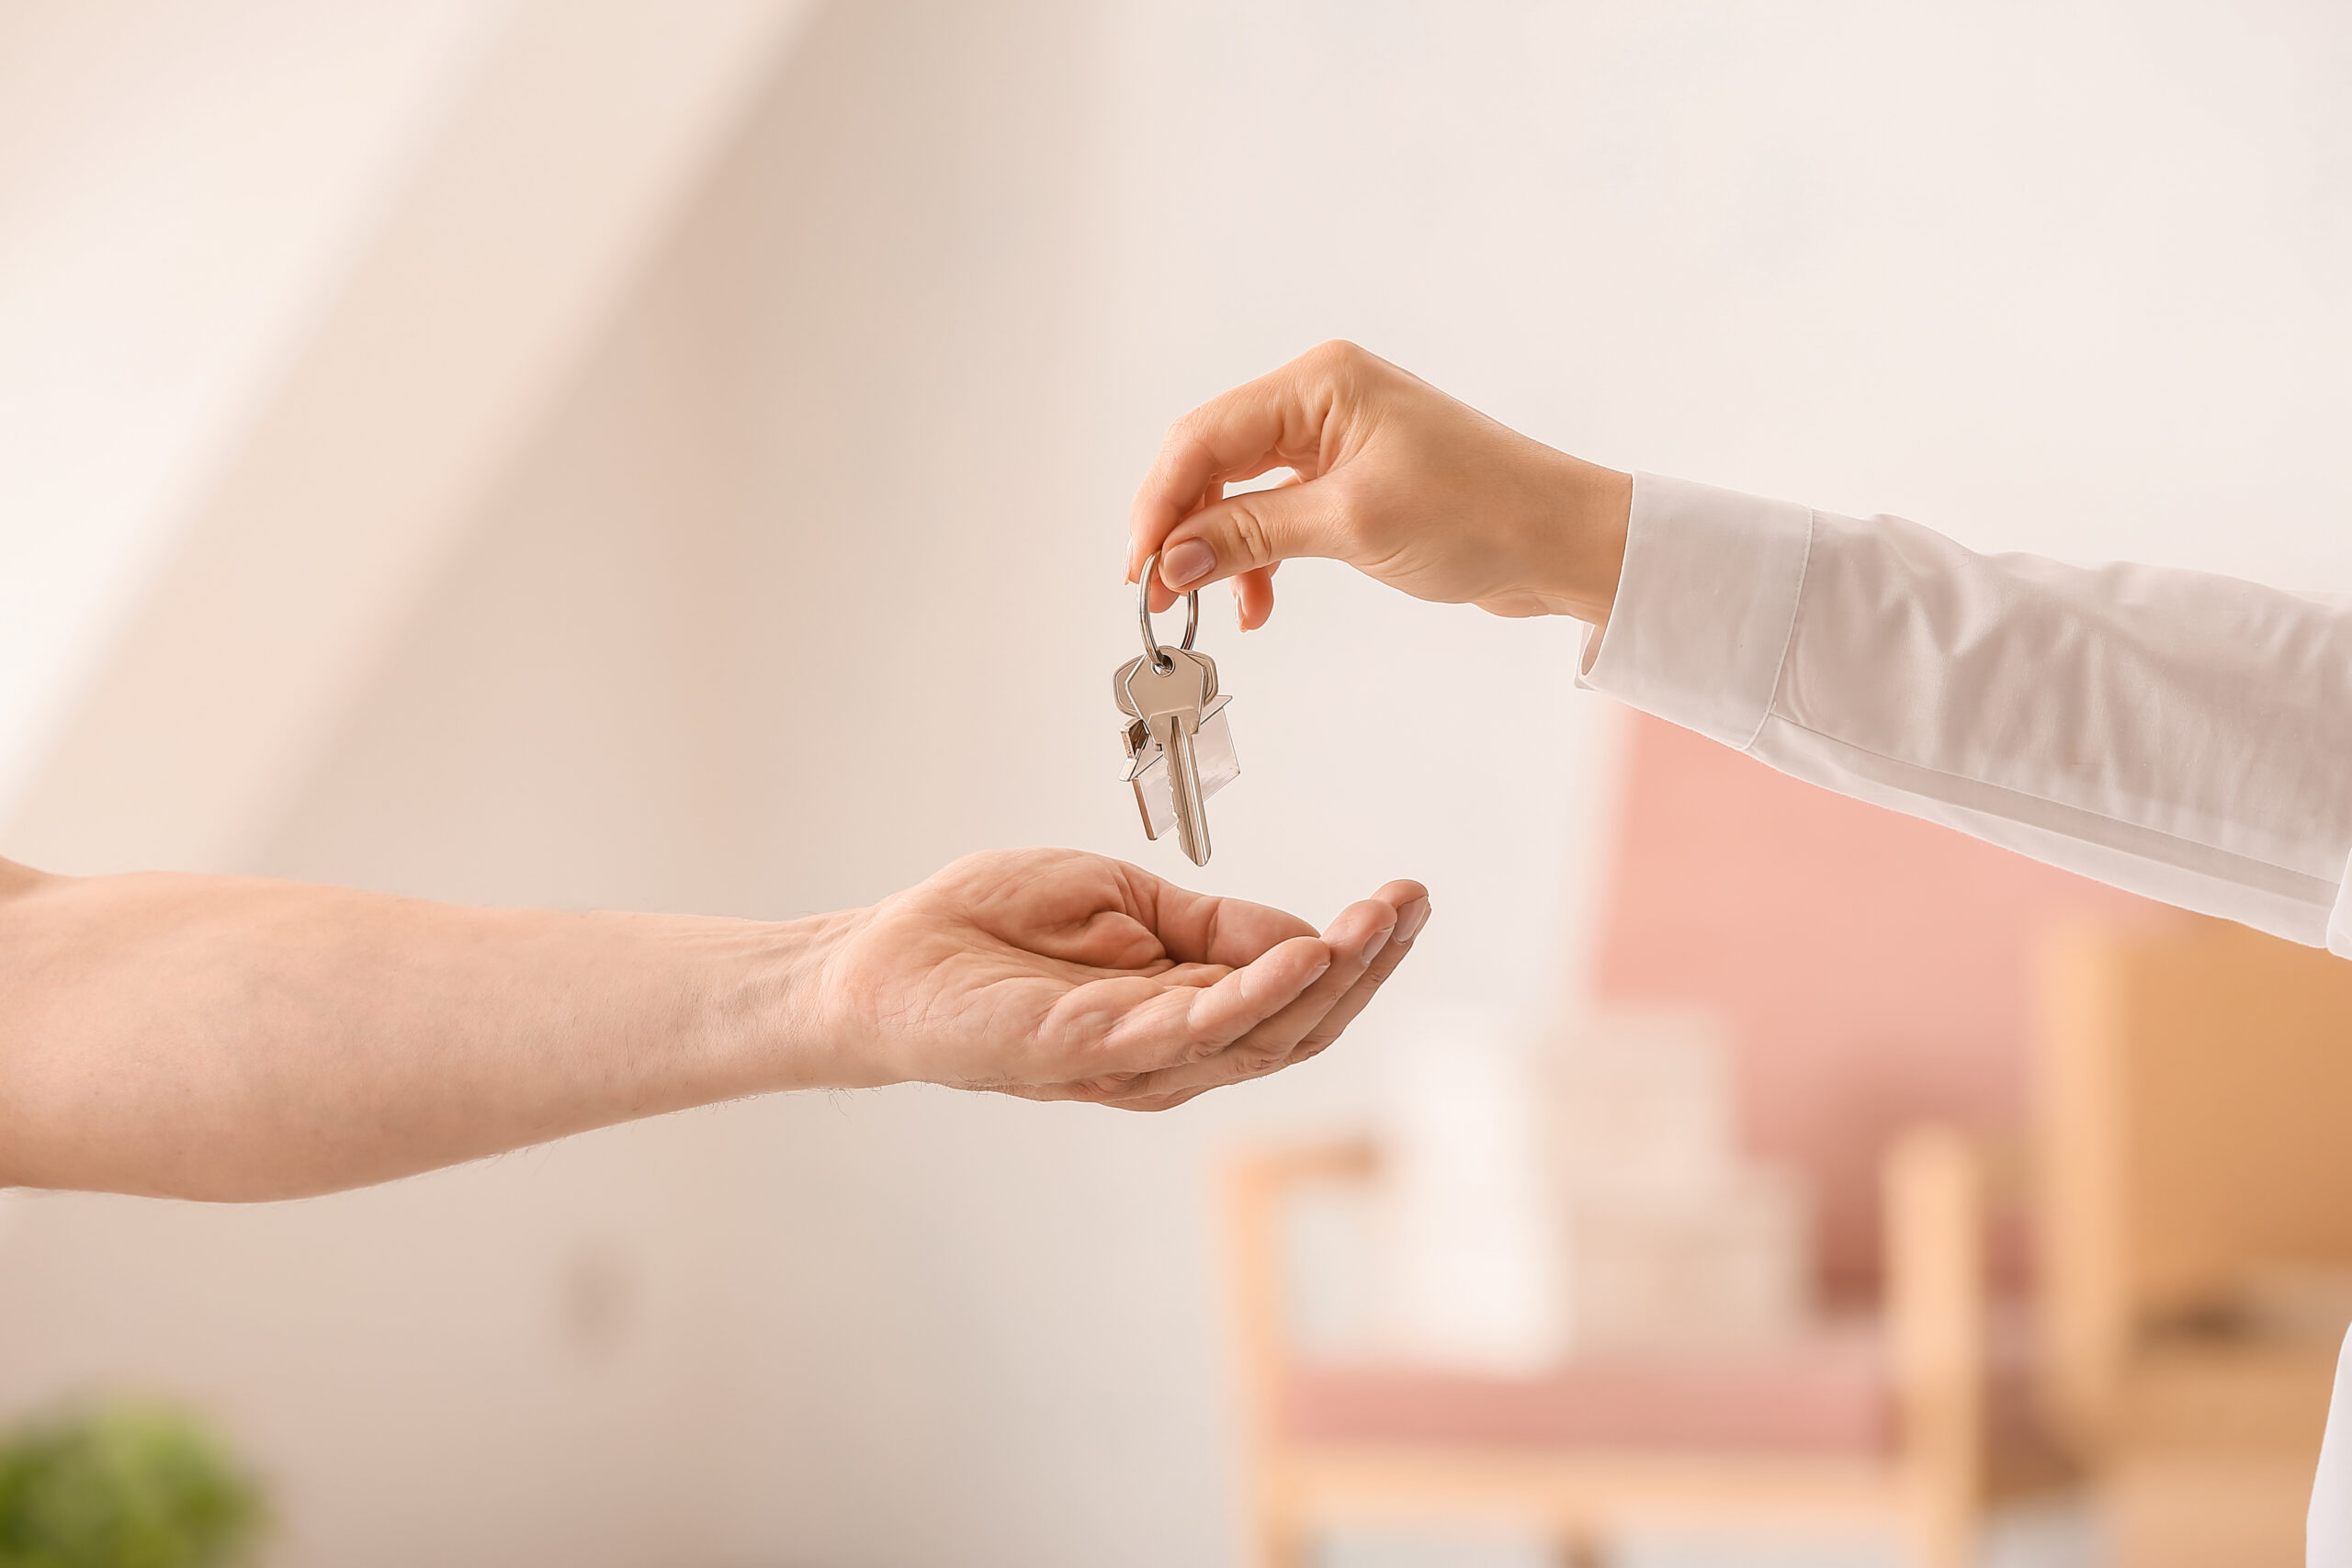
x=1055, y=974
x=1390, y=476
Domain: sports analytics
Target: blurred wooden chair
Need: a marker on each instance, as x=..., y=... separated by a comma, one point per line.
x=2195, y=1230
x=1878, y=974
x=1861, y=1428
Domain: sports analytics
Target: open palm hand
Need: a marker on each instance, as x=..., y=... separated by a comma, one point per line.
x=1057, y=974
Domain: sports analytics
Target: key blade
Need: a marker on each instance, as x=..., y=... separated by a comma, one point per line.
x=1147, y=769
x=1172, y=697
x=1184, y=782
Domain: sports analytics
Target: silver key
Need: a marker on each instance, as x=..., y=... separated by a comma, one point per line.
x=1179, y=748
x=1147, y=772
x=1168, y=696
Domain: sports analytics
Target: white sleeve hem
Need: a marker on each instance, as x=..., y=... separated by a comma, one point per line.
x=1704, y=607
x=2339, y=918
x=2186, y=873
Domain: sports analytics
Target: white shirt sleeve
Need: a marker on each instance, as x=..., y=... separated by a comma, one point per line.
x=2328, y=1526
x=2185, y=736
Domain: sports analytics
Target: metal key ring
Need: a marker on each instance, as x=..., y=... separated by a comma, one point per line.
x=1143, y=614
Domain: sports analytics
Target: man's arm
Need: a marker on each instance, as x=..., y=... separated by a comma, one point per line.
x=233, y=1038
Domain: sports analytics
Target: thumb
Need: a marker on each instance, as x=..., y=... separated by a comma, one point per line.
x=1244, y=533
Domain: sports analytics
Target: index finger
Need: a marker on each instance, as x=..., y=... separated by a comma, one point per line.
x=1204, y=928
x=1274, y=421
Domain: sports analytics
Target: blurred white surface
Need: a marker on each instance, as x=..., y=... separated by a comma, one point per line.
x=2054, y=1532
x=1642, y=1100
x=1671, y=1239
x=1469, y=1249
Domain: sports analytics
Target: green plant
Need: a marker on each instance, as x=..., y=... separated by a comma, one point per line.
x=123, y=1486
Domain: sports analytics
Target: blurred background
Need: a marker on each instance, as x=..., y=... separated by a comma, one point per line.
x=596, y=453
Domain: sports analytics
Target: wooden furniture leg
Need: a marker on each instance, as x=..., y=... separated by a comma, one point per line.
x=1580, y=1549
x=1254, y=1185
x=1936, y=1319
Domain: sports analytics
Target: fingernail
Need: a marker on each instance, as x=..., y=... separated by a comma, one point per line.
x=1187, y=562
x=1318, y=973
x=1411, y=919
x=1380, y=940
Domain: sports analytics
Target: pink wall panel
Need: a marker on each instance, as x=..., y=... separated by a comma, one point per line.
x=1876, y=968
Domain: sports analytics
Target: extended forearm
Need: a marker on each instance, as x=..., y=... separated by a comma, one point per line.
x=214, y=1037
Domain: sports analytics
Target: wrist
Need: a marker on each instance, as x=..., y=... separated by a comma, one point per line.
x=772, y=1019
x=1583, y=553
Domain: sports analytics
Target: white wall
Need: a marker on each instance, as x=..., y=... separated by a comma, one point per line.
x=181, y=186
x=551, y=169
x=812, y=584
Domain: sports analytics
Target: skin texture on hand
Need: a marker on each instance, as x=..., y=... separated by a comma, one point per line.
x=238, y=1039
x=1388, y=474
x=1060, y=975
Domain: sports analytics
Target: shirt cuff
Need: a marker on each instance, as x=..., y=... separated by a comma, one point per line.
x=1704, y=606
x=2339, y=932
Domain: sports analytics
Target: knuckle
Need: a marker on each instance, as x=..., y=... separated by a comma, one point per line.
x=1256, y=1062
x=1252, y=540
x=1193, y=427
x=1335, y=354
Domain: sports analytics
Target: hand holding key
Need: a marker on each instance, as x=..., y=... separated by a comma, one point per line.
x=1055, y=974
x=1390, y=476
